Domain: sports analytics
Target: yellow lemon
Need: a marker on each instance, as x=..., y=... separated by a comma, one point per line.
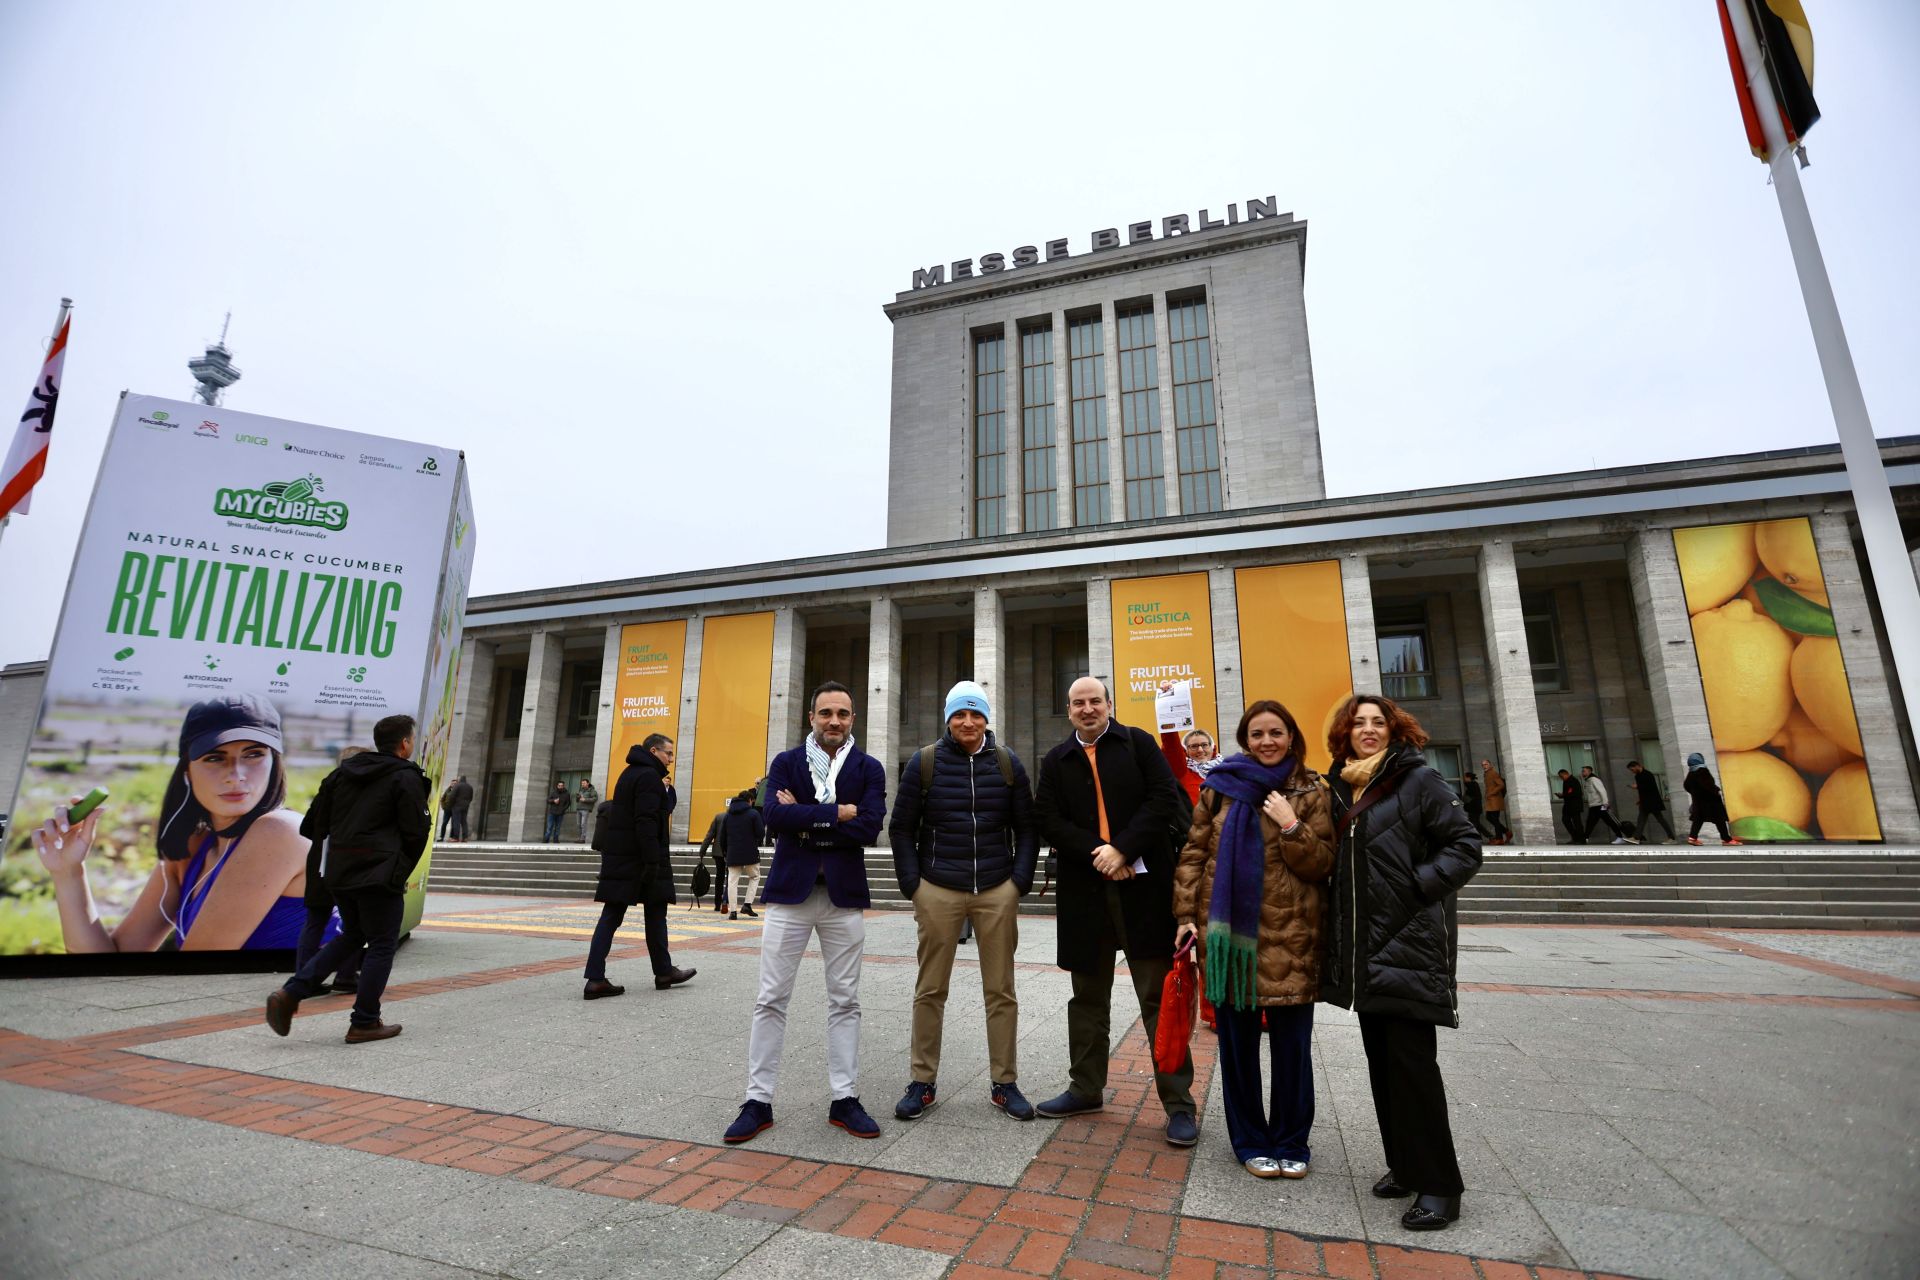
x=1846, y=805
x=1806, y=748
x=1743, y=657
x=1715, y=562
x=1820, y=683
x=1786, y=548
x=1759, y=785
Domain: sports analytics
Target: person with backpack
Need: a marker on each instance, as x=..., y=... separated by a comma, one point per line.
x=1108, y=803
x=964, y=847
x=741, y=831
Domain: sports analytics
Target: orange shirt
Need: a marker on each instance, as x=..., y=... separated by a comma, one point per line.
x=1099, y=796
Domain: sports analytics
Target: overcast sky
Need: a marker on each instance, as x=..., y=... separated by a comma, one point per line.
x=632, y=260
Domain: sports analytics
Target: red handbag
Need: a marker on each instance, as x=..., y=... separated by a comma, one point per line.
x=1179, y=1005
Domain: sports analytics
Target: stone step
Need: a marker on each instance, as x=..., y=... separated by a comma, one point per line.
x=1730, y=918
x=1692, y=907
x=1813, y=891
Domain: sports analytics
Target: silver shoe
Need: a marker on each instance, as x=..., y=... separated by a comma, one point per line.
x=1264, y=1166
x=1293, y=1168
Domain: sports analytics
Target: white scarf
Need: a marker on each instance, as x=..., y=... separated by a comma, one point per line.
x=825, y=768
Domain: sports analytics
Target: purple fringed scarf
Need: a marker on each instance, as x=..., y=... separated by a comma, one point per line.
x=1239, y=868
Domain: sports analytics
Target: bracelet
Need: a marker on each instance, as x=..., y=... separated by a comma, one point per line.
x=1287, y=831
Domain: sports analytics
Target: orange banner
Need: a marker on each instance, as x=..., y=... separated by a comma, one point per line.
x=646, y=688
x=1293, y=645
x=1162, y=630
x=730, y=728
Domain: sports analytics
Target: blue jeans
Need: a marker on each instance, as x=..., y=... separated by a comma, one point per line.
x=1276, y=1126
x=553, y=829
x=370, y=918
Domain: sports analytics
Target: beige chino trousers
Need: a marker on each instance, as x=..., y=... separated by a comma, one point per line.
x=940, y=914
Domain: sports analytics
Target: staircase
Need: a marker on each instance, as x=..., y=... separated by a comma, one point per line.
x=1794, y=888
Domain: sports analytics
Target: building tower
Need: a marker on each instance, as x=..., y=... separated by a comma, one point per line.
x=214, y=371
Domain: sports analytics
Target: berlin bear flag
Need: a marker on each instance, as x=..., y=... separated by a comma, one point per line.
x=27, y=458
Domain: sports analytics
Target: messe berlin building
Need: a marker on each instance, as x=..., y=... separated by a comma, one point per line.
x=1105, y=458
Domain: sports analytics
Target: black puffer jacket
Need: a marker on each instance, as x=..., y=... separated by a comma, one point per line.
x=634, y=862
x=744, y=829
x=970, y=831
x=1392, y=935
x=371, y=815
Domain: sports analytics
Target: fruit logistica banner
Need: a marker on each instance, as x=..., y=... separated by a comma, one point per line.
x=646, y=689
x=1293, y=645
x=248, y=597
x=1162, y=631
x=730, y=728
x=1777, y=693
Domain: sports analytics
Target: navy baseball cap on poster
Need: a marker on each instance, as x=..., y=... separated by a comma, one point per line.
x=231, y=717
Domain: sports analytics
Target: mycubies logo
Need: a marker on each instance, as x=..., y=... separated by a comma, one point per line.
x=283, y=502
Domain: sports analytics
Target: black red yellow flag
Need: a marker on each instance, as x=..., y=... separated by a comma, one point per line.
x=1786, y=50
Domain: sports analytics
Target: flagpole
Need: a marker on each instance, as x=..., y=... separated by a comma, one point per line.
x=1893, y=571
x=66, y=309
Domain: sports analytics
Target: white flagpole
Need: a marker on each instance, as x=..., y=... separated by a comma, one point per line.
x=1893, y=571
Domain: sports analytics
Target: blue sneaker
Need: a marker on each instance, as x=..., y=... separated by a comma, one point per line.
x=848, y=1114
x=1070, y=1104
x=1009, y=1099
x=1181, y=1129
x=754, y=1119
x=917, y=1101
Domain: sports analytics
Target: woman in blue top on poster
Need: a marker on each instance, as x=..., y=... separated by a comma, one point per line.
x=232, y=865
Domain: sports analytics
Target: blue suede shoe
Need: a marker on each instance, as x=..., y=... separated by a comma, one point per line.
x=1009, y=1099
x=1070, y=1104
x=754, y=1119
x=917, y=1101
x=848, y=1114
x=1181, y=1129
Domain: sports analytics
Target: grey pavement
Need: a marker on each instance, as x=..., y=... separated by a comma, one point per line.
x=1757, y=1136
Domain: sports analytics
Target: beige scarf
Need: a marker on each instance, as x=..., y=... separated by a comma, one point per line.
x=1360, y=772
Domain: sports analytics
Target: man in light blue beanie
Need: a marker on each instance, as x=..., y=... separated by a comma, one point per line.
x=965, y=841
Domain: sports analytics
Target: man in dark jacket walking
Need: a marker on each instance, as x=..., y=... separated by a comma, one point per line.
x=371, y=818
x=1573, y=808
x=1106, y=803
x=635, y=866
x=964, y=845
x=459, y=798
x=1653, y=805
x=741, y=830
x=1470, y=800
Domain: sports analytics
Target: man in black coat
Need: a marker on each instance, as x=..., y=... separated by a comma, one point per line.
x=1106, y=804
x=459, y=798
x=1646, y=791
x=635, y=865
x=1573, y=808
x=370, y=818
x=741, y=831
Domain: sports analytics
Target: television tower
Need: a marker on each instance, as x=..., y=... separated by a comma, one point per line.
x=214, y=371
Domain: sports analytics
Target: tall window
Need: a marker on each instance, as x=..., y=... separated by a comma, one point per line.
x=1406, y=661
x=1087, y=388
x=1196, y=429
x=583, y=702
x=1140, y=413
x=1543, y=641
x=989, y=435
x=1040, y=510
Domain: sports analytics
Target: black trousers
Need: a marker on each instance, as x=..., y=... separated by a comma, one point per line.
x=1410, y=1103
x=1497, y=819
x=370, y=918
x=312, y=930
x=612, y=916
x=1651, y=815
x=1597, y=816
x=1574, y=819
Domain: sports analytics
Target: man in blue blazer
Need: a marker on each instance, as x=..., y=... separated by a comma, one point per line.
x=826, y=799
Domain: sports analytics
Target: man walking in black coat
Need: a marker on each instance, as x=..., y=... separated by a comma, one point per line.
x=1646, y=791
x=371, y=818
x=1107, y=804
x=1573, y=808
x=741, y=831
x=459, y=797
x=635, y=866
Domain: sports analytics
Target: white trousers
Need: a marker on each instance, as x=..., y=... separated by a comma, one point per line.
x=783, y=940
x=735, y=875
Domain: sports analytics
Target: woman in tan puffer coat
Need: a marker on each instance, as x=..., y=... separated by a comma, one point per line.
x=1248, y=889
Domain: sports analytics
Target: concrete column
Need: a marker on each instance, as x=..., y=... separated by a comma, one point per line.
x=1100, y=628
x=539, y=719
x=789, y=680
x=1666, y=647
x=990, y=650
x=1229, y=691
x=1522, y=760
x=689, y=714
x=1169, y=445
x=605, y=771
x=1063, y=419
x=879, y=726
x=1363, y=647
x=472, y=701
x=1867, y=677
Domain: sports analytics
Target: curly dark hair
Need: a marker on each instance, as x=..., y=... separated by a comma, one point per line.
x=1401, y=727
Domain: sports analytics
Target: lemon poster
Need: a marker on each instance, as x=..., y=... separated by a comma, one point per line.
x=248, y=597
x=1776, y=688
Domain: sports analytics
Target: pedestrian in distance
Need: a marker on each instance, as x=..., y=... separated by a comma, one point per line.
x=1496, y=788
x=1107, y=802
x=1706, y=804
x=741, y=832
x=1573, y=808
x=585, y=801
x=1471, y=800
x=1405, y=851
x=558, y=802
x=636, y=869
x=446, y=811
x=826, y=799
x=459, y=800
x=371, y=818
x=1600, y=806
x=964, y=847
x=714, y=844
x=1248, y=891
x=1653, y=805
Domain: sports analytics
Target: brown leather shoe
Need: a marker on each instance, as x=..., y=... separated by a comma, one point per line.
x=280, y=1008
x=378, y=1031
x=673, y=978
x=601, y=989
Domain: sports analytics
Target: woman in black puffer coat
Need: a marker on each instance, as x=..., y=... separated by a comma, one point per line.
x=1405, y=848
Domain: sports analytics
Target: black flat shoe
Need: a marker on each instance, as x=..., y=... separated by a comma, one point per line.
x=1388, y=1189
x=1431, y=1213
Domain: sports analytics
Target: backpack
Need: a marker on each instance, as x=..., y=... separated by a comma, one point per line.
x=1181, y=824
x=702, y=880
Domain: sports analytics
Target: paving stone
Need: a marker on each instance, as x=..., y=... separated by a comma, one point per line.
x=1649, y=1242
x=491, y=1226
x=792, y=1254
x=1891, y=1252
x=53, y=1237
x=682, y=1243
